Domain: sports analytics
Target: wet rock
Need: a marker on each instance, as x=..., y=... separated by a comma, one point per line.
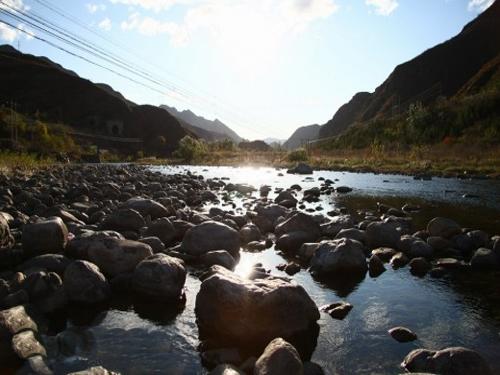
x=375, y=266
x=35, y=365
x=234, y=310
x=479, y=238
x=343, y=189
x=209, y=236
x=299, y=222
x=164, y=229
x=250, y=232
x=226, y=369
x=380, y=234
x=339, y=256
x=307, y=250
x=146, y=207
x=449, y=361
x=448, y=263
x=399, y=260
x=49, y=262
x=438, y=243
x=384, y=253
x=45, y=236
x=402, y=334
x=311, y=368
x=156, y=244
x=278, y=358
x=79, y=246
x=292, y=268
x=218, y=257
x=301, y=168
x=338, y=310
x=353, y=234
x=337, y=223
x=125, y=219
x=159, y=277
x=26, y=345
x=84, y=283
x=114, y=256
x=291, y=242
x=421, y=249
x=286, y=199
x=463, y=243
x=484, y=259
x=443, y=227
x=216, y=357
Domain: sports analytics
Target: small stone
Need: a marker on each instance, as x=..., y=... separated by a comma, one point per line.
x=402, y=334
x=337, y=310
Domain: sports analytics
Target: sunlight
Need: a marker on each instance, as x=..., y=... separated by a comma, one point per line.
x=245, y=266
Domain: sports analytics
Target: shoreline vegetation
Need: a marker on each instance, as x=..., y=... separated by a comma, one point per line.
x=456, y=161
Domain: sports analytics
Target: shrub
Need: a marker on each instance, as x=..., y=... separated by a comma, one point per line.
x=190, y=149
x=297, y=155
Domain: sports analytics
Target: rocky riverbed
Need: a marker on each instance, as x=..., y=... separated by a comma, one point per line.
x=238, y=274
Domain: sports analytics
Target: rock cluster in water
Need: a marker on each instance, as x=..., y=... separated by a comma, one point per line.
x=75, y=236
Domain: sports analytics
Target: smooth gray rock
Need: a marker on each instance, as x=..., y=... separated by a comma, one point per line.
x=380, y=234
x=218, y=257
x=443, y=227
x=125, y=219
x=209, y=236
x=402, y=334
x=146, y=207
x=449, y=361
x=164, y=229
x=84, y=283
x=484, y=259
x=114, y=256
x=339, y=256
x=279, y=358
x=45, y=236
x=159, y=277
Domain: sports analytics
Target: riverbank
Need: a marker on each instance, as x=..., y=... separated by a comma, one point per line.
x=436, y=161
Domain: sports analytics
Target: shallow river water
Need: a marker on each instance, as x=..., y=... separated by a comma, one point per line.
x=461, y=309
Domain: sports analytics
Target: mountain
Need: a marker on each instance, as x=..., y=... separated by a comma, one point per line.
x=302, y=135
x=39, y=86
x=273, y=141
x=194, y=122
x=467, y=61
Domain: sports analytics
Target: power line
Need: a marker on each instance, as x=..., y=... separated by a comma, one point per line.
x=88, y=47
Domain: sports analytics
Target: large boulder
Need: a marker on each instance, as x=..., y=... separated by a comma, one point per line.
x=146, y=207
x=49, y=262
x=84, y=283
x=443, y=227
x=125, y=219
x=380, y=234
x=279, y=358
x=79, y=246
x=301, y=168
x=299, y=222
x=250, y=232
x=45, y=236
x=164, y=229
x=236, y=311
x=208, y=236
x=339, y=256
x=449, y=361
x=218, y=257
x=115, y=256
x=484, y=259
x=159, y=277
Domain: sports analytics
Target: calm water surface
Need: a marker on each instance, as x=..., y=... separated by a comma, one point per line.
x=460, y=309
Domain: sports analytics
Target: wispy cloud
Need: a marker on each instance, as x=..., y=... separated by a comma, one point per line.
x=383, y=7
x=244, y=21
x=92, y=8
x=16, y=4
x=105, y=24
x=479, y=5
x=155, y=5
x=10, y=34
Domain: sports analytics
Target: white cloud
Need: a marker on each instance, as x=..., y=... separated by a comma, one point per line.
x=7, y=33
x=383, y=7
x=105, y=24
x=156, y=5
x=92, y=8
x=10, y=34
x=479, y=5
x=16, y=4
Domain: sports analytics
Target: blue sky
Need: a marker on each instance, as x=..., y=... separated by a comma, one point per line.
x=264, y=67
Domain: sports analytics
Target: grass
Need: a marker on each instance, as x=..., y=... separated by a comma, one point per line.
x=10, y=162
x=441, y=160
